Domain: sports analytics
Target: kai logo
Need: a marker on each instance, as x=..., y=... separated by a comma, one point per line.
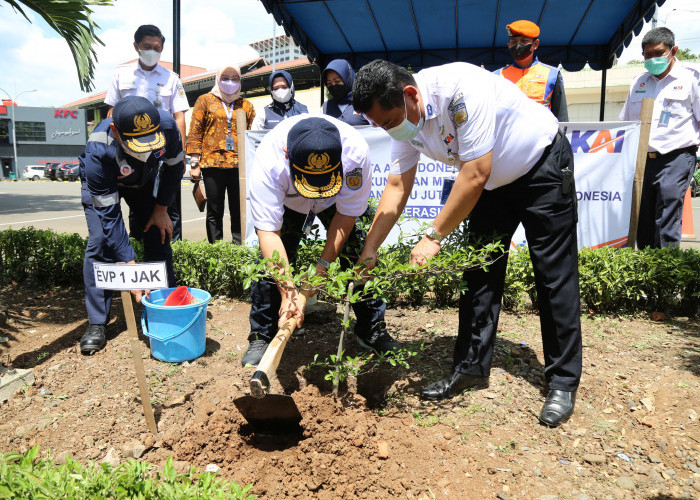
x=596, y=141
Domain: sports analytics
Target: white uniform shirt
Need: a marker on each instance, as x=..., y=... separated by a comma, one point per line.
x=677, y=93
x=271, y=187
x=469, y=112
x=160, y=86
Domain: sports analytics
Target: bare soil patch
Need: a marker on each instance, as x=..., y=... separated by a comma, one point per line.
x=639, y=401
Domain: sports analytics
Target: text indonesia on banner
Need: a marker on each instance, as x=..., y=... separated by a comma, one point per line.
x=604, y=159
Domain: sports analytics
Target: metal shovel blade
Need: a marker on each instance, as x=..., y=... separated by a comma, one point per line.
x=273, y=414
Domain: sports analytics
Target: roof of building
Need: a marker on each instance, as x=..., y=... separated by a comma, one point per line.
x=295, y=63
x=188, y=74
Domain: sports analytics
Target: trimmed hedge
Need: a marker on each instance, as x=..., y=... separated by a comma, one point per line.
x=612, y=280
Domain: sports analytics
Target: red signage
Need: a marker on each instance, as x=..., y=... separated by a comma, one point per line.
x=3, y=110
x=65, y=113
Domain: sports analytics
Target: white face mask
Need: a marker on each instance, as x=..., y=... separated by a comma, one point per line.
x=405, y=131
x=149, y=57
x=282, y=95
x=139, y=156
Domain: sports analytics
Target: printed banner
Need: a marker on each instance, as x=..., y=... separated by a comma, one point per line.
x=604, y=159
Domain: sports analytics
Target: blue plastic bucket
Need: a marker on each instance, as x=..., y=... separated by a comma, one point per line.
x=177, y=333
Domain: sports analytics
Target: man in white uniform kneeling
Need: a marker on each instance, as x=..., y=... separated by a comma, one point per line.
x=309, y=167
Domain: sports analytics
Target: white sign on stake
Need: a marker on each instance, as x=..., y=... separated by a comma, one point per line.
x=139, y=276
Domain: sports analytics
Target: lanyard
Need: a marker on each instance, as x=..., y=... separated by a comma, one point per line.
x=229, y=114
x=230, y=145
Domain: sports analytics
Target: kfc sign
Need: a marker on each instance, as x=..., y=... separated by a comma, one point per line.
x=65, y=113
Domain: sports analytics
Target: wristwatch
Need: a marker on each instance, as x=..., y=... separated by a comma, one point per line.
x=323, y=263
x=433, y=234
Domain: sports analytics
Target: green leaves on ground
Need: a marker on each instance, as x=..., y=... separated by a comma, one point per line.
x=27, y=476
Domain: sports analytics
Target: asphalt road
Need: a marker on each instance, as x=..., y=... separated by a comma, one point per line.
x=56, y=205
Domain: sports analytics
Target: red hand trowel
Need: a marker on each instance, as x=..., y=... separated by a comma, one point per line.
x=181, y=296
x=270, y=413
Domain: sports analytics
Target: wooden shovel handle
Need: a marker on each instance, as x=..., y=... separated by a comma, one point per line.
x=259, y=383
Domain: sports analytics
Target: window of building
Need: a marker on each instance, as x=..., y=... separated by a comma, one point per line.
x=31, y=131
x=4, y=131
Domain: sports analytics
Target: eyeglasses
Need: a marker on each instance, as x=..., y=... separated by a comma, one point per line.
x=229, y=79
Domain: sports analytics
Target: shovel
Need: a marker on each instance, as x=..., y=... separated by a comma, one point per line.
x=272, y=413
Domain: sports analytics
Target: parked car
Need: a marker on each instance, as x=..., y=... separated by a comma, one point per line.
x=50, y=171
x=72, y=173
x=62, y=169
x=33, y=172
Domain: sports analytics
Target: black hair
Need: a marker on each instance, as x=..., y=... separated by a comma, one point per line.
x=382, y=81
x=147, y=30
x=659, y=35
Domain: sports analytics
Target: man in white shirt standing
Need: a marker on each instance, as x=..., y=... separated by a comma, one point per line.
x=308, y=167
x=673, y=141
x=514, y=166
x=147, y=78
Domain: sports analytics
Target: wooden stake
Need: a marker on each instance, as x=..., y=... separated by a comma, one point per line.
x=645, y=118
x=241, y=127
x=138, y=362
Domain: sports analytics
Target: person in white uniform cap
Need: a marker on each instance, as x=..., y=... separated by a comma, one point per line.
x=513, y=166
x=308, y=167
x=673, y=140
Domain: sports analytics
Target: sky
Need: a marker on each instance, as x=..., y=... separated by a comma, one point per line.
x=214, y=32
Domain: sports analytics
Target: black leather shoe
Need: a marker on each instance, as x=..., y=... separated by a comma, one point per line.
x=453, y=385
x=93, y=340
x=378, y=340
x=254, y=353
x=558, y=407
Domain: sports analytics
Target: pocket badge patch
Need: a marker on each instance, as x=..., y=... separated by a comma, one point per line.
x=458, y=111
x=353, y=179
x=125, y=170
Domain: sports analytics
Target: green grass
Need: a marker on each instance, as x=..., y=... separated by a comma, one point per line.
x=26, y=476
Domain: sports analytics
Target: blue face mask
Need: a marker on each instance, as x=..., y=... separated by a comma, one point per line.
x=405, y=131
x=657, y=65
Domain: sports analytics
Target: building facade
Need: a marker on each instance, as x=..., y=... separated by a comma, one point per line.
x=43, y=135
x=278, y=49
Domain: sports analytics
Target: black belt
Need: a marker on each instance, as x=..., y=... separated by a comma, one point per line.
x=655, y=155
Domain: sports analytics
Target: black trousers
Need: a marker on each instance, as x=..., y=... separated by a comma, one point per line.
x=549, y=216
x=265, y=299
x=666, y=179
x=217, y=183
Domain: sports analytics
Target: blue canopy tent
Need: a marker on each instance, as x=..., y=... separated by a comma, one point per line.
x=421, y=33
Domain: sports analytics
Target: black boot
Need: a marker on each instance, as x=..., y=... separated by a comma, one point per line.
x=378, y=340
x=94, y=339
x=558, y=407
x=453, y=385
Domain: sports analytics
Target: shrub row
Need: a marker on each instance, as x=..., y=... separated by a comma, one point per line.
x=612, y=280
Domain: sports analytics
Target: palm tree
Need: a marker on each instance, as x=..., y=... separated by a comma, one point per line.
x=70, y=19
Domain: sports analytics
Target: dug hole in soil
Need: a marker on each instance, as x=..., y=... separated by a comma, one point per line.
x=635, y=432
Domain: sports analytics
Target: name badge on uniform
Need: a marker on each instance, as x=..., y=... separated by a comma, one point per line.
x=664, y=117
x=308, y=222
x=230, y=146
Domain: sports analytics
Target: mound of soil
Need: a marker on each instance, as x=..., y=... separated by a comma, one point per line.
x=635, y=432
